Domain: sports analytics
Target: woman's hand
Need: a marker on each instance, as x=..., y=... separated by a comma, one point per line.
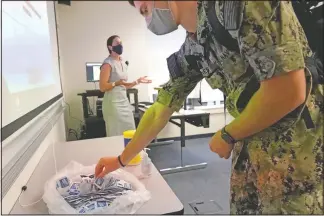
x=128, y=84
x=120, y=82
x=106, y=165
x=144, y=80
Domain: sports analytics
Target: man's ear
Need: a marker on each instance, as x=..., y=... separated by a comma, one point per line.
x=110, y=48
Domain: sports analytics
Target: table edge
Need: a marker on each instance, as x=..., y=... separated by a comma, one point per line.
x=180, y=212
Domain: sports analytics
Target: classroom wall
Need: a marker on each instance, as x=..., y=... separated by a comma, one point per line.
x=56, y=135
x=83, y=29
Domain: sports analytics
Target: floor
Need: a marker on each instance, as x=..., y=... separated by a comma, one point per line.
x=211, y=183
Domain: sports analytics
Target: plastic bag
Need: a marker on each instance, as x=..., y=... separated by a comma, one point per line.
x=128, y=203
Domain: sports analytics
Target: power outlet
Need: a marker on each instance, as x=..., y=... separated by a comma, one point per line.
x=206, y=207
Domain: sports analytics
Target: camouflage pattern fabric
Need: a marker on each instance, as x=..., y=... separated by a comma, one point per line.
x=279, y=170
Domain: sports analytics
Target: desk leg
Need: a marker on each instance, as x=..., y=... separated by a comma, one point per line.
x=182, y=138
x=182, y=168
x=156, y=143
x=85, y=106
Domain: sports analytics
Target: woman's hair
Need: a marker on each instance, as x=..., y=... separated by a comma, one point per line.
x=131, y=2
x=110, y=41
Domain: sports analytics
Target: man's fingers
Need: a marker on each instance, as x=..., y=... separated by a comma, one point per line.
x=221, y=155
x=214, y=149
x=98, y=169
x=211, y=147
x=103, y=173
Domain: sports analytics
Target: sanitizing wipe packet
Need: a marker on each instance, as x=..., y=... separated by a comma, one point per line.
x=75, y=190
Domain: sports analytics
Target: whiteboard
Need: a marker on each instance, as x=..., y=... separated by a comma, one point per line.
x=30, y=68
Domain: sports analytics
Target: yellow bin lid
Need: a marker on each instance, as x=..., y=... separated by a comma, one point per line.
x=129, y=134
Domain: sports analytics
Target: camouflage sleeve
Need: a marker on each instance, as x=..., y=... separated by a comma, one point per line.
x=184, y=75
x=271, y=38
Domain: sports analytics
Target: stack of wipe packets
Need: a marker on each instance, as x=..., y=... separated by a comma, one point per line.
x=86, y=194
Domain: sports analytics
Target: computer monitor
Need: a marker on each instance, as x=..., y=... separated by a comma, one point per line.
x=93, y=71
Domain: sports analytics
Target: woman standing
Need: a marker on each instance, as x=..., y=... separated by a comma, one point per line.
x=117, y=112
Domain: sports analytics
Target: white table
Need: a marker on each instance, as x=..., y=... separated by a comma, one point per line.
x=183, y=116
x=88, y=152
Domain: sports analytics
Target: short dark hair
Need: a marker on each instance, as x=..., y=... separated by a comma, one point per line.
x=131, y=3
x=110, y=41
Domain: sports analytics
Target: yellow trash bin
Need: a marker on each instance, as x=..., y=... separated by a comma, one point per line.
x=128, y=136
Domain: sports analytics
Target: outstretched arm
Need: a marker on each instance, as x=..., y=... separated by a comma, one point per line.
x=138, y=81
x=152, y=122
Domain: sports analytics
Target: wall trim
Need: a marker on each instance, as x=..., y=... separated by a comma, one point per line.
x=12, y=196
x=29, y=140
x=14, y=126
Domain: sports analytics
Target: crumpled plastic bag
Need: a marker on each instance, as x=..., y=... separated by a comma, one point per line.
x=127, y=203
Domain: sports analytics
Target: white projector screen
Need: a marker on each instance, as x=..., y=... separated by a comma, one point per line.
x=30, y=67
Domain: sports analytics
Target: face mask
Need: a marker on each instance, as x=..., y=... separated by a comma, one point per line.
x=161, y=22
x=118, y=49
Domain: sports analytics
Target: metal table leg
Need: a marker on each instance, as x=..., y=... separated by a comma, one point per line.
x=156, y=143
x=183, y=168
x=160, y=143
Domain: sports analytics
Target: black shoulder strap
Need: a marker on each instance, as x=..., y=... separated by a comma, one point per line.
x=224, y=108
x=220, y=33
x=224, y=38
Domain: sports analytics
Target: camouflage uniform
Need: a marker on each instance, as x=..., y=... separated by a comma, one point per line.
x=279, y=170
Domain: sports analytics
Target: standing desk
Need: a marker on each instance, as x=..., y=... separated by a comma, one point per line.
x=94, y=124
x=197, y=118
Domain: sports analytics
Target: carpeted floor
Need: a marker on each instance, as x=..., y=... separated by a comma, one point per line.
x=211, y=183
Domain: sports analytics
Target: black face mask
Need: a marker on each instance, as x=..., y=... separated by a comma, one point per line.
x=118, y=49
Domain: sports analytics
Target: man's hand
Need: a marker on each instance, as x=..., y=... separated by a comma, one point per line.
x=219, y=146
x=106, y=165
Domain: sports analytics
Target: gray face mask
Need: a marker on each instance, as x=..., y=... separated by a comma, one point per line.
x=162, y=21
